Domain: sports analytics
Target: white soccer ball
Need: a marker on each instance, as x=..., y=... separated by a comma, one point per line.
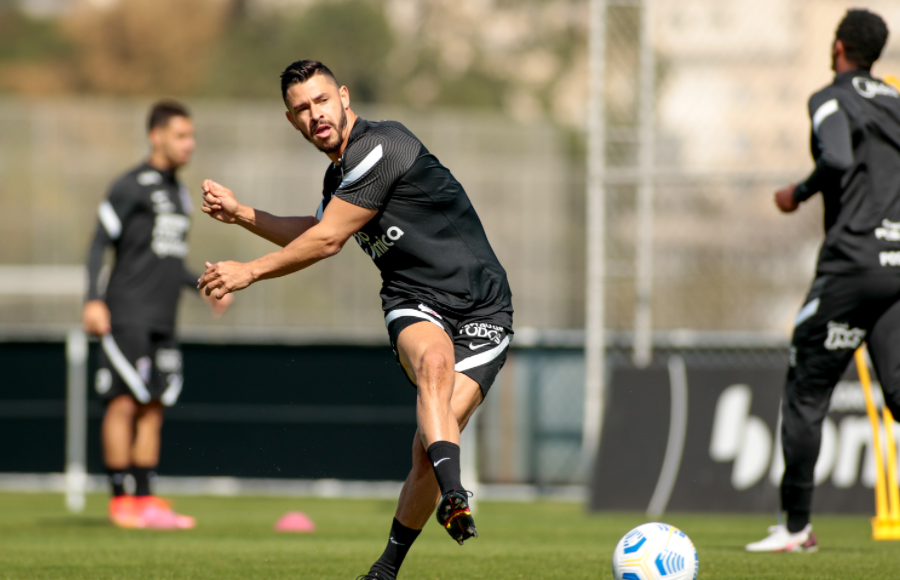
x=655, y=552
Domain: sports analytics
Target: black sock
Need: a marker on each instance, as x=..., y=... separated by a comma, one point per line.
x=116, y=480
x=797, y=521
x=444, y=457
x=142, y=476
x=401, y=540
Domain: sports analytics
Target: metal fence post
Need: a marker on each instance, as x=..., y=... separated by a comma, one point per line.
x=643, y=324
x=76, y=419
x=595, y=344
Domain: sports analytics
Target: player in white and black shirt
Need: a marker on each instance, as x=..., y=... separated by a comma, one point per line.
x=445, y=295
x=145, y=219
x=855, y=297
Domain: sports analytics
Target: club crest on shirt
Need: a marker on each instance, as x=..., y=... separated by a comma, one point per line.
x=424, y=308
x=144, y=366
x=149, y=178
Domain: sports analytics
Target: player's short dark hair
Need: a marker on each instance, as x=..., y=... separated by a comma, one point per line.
x=162, y=111
x=864, y=35
x=301, y=71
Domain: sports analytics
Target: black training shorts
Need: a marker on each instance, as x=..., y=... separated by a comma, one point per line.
x=480, y=343
x=139, y=362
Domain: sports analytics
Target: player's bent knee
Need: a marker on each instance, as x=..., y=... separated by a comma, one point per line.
x=434, y=367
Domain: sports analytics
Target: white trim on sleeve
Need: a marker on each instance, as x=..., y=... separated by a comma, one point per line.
x=110, y=220
x=364, y=166
x=824, y=111
x=807, y=312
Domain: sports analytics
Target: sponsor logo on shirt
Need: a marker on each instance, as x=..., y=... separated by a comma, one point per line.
x=169, y=232
x=841, y=336
x=484, y=331
x=870, y=88
x=889, y=258
x=161, y=202
x=378, y=246
x=889, y=231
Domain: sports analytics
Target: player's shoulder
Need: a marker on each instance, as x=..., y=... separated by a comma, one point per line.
x=387, y=138
x=830, y=93
x=137, y=179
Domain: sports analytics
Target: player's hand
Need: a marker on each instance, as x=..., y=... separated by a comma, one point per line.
x=224, y=277
x=784, y=199
x=217, y=305
x=219, y=202
x=95, y=318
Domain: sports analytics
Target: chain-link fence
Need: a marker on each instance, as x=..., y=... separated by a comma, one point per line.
x=59, y=158
x=725, y=124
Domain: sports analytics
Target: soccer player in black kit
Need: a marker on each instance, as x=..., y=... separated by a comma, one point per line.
x=855, y=296
x=145, y=218
x=445, y=296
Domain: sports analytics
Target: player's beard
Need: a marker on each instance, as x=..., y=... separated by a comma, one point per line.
x=328, y=147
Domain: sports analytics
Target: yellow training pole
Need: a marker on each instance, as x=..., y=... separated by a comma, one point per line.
x=893, y=81
x=893, y=490
x=881, y=508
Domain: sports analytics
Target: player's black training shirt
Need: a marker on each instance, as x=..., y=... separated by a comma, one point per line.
x=856, y=145
x=426, y=238
x=145, y=217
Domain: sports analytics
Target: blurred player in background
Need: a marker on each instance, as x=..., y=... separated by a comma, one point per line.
x=145, y=218
x=855, y=296
x=447, y=303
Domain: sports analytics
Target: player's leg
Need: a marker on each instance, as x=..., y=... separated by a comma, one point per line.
x=480, y=351
x=420, y=493
x=116, y=433
x=120, y=383
x=826, y=334
x=145, y=451
x=165, y=387
x=426, y=354
x=883, y=344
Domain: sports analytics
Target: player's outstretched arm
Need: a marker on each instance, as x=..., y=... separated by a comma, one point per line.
x=341, y=220
x=220, y=203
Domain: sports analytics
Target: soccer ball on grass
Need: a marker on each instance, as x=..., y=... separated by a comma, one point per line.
x=655, y=552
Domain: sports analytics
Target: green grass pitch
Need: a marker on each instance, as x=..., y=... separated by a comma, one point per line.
x=543, y=540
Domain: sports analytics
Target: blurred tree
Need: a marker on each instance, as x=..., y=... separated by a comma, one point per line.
x=524, y=57
x=352, y=37
x=137, y=47
x=34, y=57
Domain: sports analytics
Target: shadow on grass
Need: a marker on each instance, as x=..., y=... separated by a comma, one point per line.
x=74, y=522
